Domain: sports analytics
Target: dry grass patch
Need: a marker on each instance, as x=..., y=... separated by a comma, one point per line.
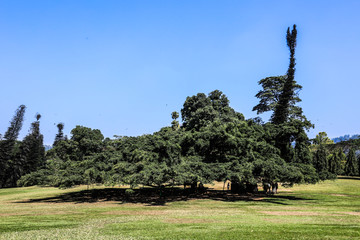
x=352, y=213
x=180, y=212
x=276, y=220
x=339, y=195
x=34, y=213
x=284, y=190
x=290, y=213
x=188, y=220
x=136, y=213
x=88, y=231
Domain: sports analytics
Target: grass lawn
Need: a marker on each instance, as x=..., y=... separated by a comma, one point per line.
x=328, y=210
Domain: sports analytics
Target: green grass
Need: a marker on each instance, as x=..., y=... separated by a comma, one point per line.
x=328, y=210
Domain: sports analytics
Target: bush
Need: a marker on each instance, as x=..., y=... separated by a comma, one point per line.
x=129, y=192
x=34, y=178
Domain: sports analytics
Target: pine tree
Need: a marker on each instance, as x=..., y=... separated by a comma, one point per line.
x=7, y=146
x=335, y=162
x=281, y=113
x=175, y=123
x=358, y=163
x=342, y=161
x=16, y=124
x=60, y=135
x=320, y=162
x=350, y=166
x=332, y=159
x=270, y=95
x=280, y=95
x=32, y=148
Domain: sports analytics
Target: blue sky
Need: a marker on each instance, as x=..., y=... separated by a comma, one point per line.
x=124, y=66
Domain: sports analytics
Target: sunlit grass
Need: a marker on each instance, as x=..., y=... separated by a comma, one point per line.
x=328, y=210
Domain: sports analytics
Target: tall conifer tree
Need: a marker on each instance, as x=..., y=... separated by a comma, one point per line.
x=333, y=161
x=16, y=124
x=32, y=148
x=350, y=166
x=60, y=135
x=320, y=162
x=358, y=163
x=282, y=113
x=8, y=144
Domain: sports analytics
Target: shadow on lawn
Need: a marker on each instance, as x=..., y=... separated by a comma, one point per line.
x=153, y=196
x=348, y=177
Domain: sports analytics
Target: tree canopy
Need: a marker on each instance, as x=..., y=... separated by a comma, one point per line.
x=215, y=143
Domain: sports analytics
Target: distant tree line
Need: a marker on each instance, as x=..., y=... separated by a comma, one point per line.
x=213, y=143
x=335, y=159
x=346, y=137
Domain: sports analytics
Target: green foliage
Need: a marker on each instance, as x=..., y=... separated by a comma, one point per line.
x=16, y=124
x=322, y=138
x=39, y=177
x=10, y=165
x=288, y=124
x=269, y=96
x=129, y=192
x=74, y=161
x=335, y=162
x=174, y=115
x=326, y=162
x=282, y=108
x=60, y=135
x=88, y=140
x=320, y=162
x=20, y=158
x=342, y=158
x=217, y=146
x=200, y=110
x=351, y=168
x=358, y=165
x=32, y=151
x=175, y=124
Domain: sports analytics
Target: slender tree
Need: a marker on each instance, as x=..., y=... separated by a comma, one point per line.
x=280, y=94
x=282, y=113
x=60, y=135
x=334, y=163
x=175, y=123
x=7, y=146
x=342, y=160
x=16, y=124
x=358, y=163
x=320, y=162
x=350, y=166
x=32, y=148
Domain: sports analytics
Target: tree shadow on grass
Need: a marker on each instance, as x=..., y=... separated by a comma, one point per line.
x=348, y=177
x=153, y=196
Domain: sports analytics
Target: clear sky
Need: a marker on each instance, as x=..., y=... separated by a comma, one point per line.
x=124, y=66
